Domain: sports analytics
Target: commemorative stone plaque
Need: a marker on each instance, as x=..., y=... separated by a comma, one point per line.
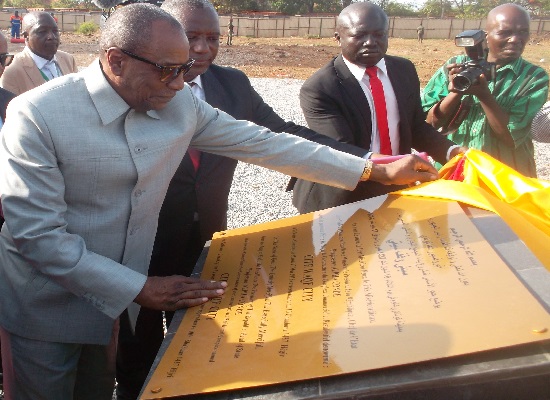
x=379, y=283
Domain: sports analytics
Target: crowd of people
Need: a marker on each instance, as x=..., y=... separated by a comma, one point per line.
x=113, y=178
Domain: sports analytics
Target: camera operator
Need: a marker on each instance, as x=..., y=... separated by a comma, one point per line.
x=498, y=119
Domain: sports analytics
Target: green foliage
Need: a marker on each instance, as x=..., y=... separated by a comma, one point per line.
x=65, y=4
x=23, y=3
x=395, y=9
x=87, y=28
x=436, y=8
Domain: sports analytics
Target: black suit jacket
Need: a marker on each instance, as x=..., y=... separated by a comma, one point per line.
x=5, y=98
x=334, y=104
x=206, y=191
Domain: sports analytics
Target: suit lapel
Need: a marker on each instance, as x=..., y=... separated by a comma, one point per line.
x=64, y=68
x=214, y=92
x=32, y=71
x=215, y=95
x=357, y=101
x=402, y=95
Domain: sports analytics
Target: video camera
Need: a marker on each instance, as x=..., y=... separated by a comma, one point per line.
x=476, y=48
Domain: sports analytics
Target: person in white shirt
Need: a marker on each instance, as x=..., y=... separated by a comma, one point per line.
x=338, y=101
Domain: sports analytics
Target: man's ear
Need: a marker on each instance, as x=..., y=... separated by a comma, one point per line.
x=114, y=60
x=337, y=37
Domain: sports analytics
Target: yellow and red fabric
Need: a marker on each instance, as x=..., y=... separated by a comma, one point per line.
x=478, y=179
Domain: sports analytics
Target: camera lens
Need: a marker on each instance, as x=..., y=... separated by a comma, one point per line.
x=461, y=83
x=463, y=80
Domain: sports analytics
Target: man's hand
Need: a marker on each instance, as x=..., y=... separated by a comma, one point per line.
x=480, y=89
x=406, y=171
x=174, y=292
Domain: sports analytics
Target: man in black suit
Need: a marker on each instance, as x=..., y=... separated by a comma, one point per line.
x=337, y=102
x=196, y=203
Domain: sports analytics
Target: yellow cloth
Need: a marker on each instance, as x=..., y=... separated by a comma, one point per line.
x=522, y=202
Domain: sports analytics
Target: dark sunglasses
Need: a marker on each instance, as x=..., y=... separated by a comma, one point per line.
x=167, y=72
x=6, y=59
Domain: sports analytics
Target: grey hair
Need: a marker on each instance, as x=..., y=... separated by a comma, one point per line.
x=131, y=26
x=177, y=8
x=31, y=19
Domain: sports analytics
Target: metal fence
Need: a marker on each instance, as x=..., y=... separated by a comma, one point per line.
x=301, y=26
x=306, y=26
x=67, y=21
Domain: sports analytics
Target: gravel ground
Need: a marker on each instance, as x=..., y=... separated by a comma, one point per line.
x=258, y=195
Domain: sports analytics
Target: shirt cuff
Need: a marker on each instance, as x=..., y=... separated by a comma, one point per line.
x=451, y=149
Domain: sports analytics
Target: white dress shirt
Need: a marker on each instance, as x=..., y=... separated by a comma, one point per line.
x=358, y=71
x=49, y=68
x=197, y=88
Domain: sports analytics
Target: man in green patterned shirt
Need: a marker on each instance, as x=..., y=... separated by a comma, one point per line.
x=500, y=117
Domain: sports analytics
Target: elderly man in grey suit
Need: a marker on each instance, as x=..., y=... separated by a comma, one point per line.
x=85, y=169
x=40, y=60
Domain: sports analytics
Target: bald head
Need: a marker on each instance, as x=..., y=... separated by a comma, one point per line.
x=508, y=11
x=353, y=14
x=507, y=33
x=362, y=33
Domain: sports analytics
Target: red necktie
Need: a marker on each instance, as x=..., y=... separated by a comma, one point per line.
x=195, y=156
x=377, y=91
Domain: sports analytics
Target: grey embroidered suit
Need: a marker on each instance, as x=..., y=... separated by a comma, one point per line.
x=83, y=179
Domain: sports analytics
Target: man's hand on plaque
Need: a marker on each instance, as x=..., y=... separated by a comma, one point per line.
x=171, y=293
x=405, y=171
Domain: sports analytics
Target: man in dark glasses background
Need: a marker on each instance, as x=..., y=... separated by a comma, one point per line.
x=40, y=60
x=85, y=163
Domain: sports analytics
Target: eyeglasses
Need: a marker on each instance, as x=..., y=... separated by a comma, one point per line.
x=6, y=59
x=167, y=72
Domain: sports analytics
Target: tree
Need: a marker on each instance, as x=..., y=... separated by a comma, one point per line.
x=436, y=8
x=395, y=9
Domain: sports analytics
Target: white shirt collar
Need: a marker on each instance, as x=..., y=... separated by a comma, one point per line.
x=198, y=81
x=39, y=61
x=197, y=88
x=358, y=71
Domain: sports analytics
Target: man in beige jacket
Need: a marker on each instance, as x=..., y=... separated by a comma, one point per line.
x=40, y=61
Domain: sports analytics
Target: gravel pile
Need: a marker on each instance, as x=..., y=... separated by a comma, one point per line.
x=258, y=195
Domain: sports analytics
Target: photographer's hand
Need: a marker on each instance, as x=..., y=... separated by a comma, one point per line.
x=439, y=114
x=496, y=117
